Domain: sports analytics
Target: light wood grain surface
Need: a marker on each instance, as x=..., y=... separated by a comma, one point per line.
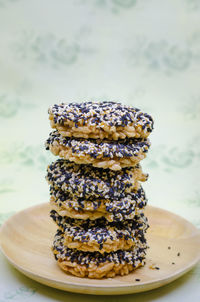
x=27, y=236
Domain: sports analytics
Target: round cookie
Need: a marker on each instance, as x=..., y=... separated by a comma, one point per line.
x=101, y=235
x=114, y=155
x=86, y=181
x=111, y=209
x=96, y=265
x=110, y=120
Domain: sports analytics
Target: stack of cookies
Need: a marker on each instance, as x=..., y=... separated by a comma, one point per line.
x=95, y=193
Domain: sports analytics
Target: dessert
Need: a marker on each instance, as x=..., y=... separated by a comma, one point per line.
x=96, y=195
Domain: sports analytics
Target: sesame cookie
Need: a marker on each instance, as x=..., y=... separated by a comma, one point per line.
x=96, y=265
x=101, y=235
x=111, y=209
x=86, y=181
x=110, y=120
x=114, y=155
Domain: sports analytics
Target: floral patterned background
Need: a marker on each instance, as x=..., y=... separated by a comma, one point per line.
x=142, y=53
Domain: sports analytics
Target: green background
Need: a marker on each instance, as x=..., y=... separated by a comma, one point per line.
x=143, y=53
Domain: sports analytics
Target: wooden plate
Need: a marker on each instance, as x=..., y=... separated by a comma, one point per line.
x=26, y=238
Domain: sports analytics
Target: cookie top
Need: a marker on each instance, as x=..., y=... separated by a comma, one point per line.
x=61, y=252
x=86, y=181
x=111, y=120
x=100, y=230
x=96, y=149
x=118, y=209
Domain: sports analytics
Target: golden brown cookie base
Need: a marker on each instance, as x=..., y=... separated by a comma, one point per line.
x=93, y=131
x=65, y=210
x=89, y=213
x=108, y=246
x=103, y=270
x=100, y=162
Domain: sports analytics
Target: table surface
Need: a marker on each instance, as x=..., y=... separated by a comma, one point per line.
x=142, y=53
